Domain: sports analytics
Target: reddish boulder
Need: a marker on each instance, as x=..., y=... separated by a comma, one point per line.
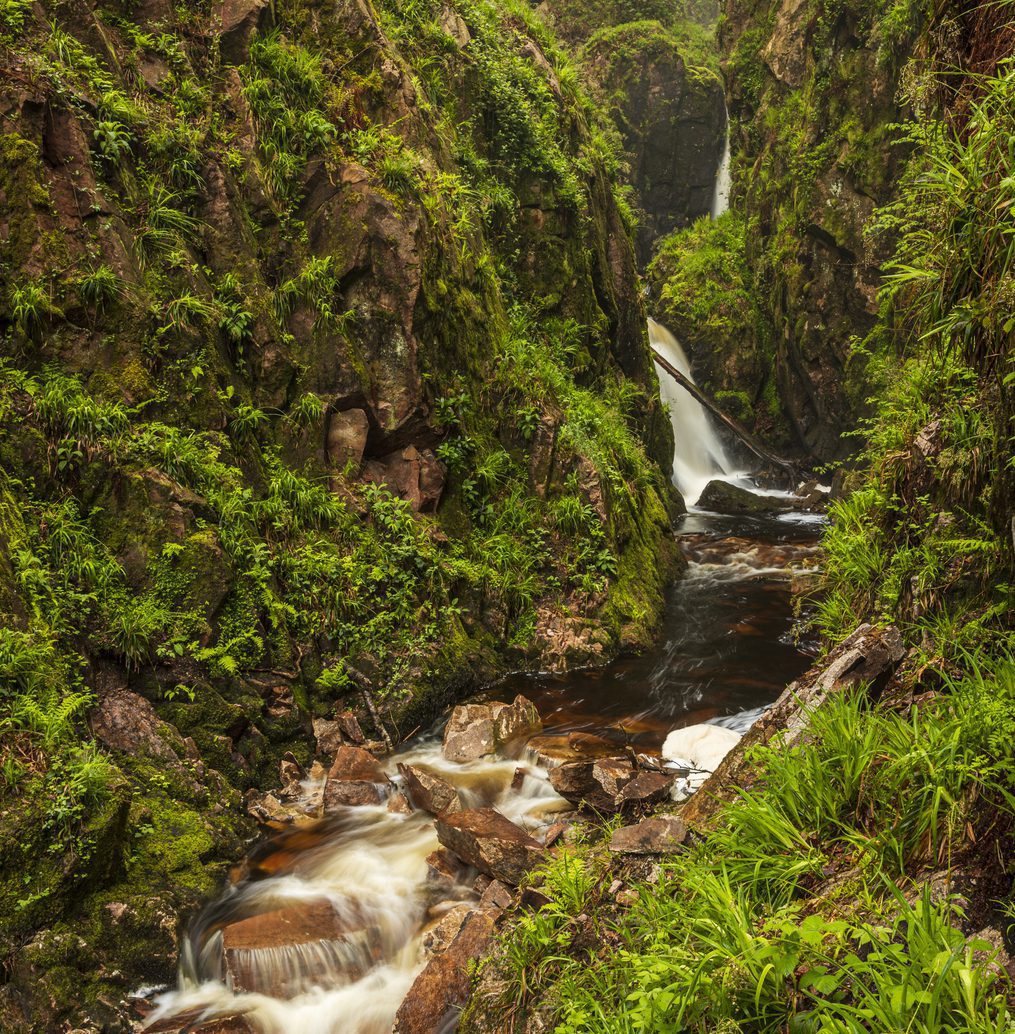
x=492, y=843
x=439, y=992
x=428, y=791
x=355, y=778
x=477, y=730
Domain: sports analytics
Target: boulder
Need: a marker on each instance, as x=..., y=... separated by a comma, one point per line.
x=428, y=791
x=328, y=735
x=355, y=778
x=721, y=497
x=492, y=843
x=477, y=730
x=439, y=992
x=608, y=785
x=644, y=789
x=656, y=835
x=240, y=21
x=704, y=746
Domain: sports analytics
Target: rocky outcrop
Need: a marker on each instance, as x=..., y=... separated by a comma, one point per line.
x=672, y=119
x=816, y=267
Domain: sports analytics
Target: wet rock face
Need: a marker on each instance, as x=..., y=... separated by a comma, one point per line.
x=673, y=125
x=440, y=991
x=428, y=791
x=492, y=843
x=355, y=778
x=477, y=730
x=808, y=247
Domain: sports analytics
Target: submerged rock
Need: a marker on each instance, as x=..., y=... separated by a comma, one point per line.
x=722, y=497
x=492, y=843
x=284, y=951
x=477, y=730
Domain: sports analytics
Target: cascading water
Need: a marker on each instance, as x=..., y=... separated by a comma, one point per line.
x=699, y=455
x=721, y=194
x=348, y=905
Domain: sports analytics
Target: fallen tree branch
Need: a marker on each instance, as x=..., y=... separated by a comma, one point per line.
x=738, y=429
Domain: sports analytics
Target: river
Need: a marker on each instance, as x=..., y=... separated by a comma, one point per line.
x=329, y=927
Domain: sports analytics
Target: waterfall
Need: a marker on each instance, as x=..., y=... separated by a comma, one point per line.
x=698, y=454
x=721, y=195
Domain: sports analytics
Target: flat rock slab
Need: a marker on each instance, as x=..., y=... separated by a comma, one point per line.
x=492, y=843
x=440, y=991
x=657, y=835
x=429, y=791
x=284, y=952
x=477, y=730
x=299, y=923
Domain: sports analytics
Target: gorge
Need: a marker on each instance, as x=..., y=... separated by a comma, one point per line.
x=389, y=643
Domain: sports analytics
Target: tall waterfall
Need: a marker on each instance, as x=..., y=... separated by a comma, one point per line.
x=698, y=454
x=721, y=195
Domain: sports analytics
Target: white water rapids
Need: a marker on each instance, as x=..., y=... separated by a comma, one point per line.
x=369, y=874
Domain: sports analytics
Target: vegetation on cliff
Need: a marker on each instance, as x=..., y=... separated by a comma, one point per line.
x=859, y=879
x=325, y=372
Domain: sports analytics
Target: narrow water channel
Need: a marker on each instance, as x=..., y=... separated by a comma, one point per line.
x=330, y=926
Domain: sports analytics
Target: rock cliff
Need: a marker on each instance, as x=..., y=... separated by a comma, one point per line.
x=325, y=381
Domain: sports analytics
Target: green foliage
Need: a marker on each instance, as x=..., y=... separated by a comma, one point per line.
x=285, y=87
x=13, y=16
x=730, y=937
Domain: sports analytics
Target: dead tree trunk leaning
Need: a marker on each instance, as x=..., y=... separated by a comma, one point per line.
x=738, y=429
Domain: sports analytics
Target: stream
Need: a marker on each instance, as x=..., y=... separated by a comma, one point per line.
x=331, y=922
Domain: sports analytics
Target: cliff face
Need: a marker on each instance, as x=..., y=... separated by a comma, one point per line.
x=325, y=373
x=813, y=89
x=653, y=67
